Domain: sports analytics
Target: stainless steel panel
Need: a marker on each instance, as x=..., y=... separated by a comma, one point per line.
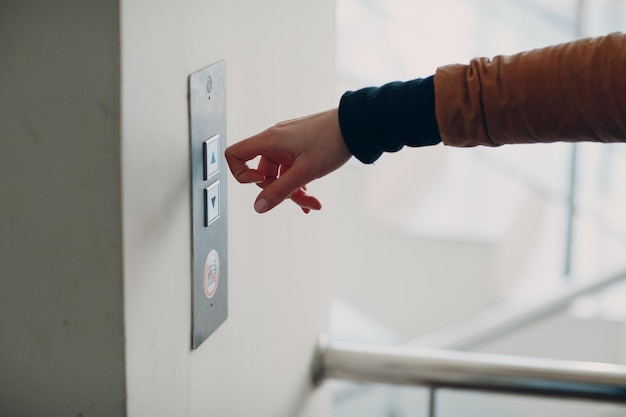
x=209, y=204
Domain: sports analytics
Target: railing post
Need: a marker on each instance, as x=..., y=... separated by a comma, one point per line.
x=432, y=402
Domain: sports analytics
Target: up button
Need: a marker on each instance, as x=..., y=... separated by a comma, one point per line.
x=211, y=149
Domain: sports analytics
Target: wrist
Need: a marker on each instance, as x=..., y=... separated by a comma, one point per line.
x=384, y=119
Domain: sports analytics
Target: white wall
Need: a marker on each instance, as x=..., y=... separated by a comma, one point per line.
x=280, y=57
x=94, y=214
x=61, y=317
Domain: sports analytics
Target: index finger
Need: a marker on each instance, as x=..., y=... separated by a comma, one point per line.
x=239, y=154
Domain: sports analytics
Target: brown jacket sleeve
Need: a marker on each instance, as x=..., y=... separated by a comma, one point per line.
x=570, y=92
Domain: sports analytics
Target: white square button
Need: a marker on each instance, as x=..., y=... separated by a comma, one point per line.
x=211, y=148
x=211, y=203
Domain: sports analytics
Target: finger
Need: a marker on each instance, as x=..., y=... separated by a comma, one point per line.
x=281, y=188
x=269, y=168
x=238, y=154
x=271, y=171
x=250, y=176
x=242, y=172
x=300, y=197
x=305, y=200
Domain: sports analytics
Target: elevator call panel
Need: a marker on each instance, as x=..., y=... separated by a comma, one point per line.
x=207, y=117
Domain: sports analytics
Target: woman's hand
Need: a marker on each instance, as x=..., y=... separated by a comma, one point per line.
x=293, y=153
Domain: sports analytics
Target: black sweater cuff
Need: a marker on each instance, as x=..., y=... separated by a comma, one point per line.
x=383, y=119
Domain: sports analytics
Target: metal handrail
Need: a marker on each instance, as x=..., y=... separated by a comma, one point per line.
x=438, y=368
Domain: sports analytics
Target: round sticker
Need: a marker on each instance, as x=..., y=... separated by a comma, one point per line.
x=211, y=273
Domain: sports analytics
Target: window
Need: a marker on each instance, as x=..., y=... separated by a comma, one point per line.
x=482, y=224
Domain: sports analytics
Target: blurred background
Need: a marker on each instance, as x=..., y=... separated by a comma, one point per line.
x=432, y=236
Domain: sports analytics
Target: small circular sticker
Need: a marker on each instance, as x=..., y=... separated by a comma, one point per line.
x=211, y=273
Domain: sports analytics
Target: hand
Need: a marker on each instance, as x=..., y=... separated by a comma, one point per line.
x=293, y=153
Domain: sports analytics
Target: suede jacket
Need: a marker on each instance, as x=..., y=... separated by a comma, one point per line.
x=570, y=92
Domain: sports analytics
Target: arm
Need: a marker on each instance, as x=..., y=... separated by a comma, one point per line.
x=570, y=92
x=367, y=123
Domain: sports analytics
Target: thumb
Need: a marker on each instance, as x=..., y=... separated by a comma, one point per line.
x=280, y=189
